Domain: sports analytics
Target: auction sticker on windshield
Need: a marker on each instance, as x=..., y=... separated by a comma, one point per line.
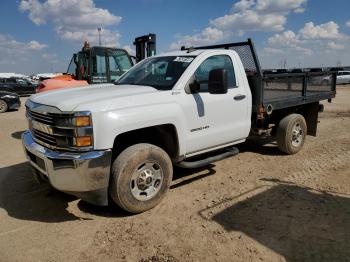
x=184, y=59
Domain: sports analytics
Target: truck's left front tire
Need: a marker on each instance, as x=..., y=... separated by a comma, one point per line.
x=140, y=177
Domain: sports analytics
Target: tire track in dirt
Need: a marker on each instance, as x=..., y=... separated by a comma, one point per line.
x=326, y=158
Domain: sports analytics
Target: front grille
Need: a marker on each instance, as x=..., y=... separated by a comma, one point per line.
x=39, y=117
x=45, y=131
x=46, y=138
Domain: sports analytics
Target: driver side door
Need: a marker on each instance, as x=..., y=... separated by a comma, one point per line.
x=214, y=120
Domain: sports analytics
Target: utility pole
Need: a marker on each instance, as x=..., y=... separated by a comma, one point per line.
x=99, y=35
x=285, y=63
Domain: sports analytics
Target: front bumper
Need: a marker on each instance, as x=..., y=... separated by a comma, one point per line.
x=83, y=174
x=14, y=104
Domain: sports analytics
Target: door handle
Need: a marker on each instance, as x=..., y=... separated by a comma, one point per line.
x=239, y=97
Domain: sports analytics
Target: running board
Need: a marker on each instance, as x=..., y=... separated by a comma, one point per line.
x=232, y=151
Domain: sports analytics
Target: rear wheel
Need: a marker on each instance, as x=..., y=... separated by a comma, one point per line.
x=291, y=133
x=140, y=177
x=3, y=106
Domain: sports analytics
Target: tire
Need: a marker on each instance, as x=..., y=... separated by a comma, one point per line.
x=140, y=177
x=291, y=134
x=3, y=106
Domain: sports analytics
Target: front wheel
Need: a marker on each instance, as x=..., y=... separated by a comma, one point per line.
x=140, y=177
x=3, y=106
x=291, y=134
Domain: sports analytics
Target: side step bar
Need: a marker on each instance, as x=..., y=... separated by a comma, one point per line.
x=232, y=151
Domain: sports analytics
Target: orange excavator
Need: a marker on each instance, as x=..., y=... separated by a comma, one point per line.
x=97, y=64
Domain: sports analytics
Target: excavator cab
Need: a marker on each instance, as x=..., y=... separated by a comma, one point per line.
x=99, y=64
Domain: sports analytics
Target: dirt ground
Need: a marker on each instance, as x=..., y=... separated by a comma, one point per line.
x=258, y=206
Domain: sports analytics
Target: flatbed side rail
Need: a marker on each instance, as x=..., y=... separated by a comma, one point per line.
x=292, y=89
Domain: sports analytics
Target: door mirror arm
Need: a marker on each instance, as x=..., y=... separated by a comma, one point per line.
x=192, y=86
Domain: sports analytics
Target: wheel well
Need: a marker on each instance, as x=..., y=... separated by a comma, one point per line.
x=164, y=136
x=308, y=111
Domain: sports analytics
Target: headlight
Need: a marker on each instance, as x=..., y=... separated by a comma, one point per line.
x=83, y=129
x=83, y=141
x=78, y=128
x=83, y=120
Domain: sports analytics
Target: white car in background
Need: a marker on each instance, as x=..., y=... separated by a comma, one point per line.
x=343, y=77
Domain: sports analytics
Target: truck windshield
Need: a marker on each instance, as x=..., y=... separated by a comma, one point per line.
x=72, y=67
x=81, y=60
x=161, y=73
x=119, y=63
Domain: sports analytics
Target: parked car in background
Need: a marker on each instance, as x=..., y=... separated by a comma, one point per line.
x=44, y=76
x=9, y=75
x=9, y=101
x=17, y=85
x=343, y=77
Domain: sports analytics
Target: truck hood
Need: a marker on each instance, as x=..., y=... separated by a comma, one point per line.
x=71, y=98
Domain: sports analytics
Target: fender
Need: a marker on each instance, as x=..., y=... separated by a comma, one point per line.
x=108, y=125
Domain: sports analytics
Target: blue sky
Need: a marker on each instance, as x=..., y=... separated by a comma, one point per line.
x=41, y=35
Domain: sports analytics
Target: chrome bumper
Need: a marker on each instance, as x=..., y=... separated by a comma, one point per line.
x=83, y=174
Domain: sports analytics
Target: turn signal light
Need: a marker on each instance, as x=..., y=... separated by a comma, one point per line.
x=83, y=141
x=82, y=121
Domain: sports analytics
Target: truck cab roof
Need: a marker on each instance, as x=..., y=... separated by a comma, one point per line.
x=184, y=53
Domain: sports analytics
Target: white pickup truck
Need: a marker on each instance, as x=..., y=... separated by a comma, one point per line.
x=122, y=140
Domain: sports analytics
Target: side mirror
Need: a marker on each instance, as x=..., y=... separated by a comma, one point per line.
x=217, y=83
